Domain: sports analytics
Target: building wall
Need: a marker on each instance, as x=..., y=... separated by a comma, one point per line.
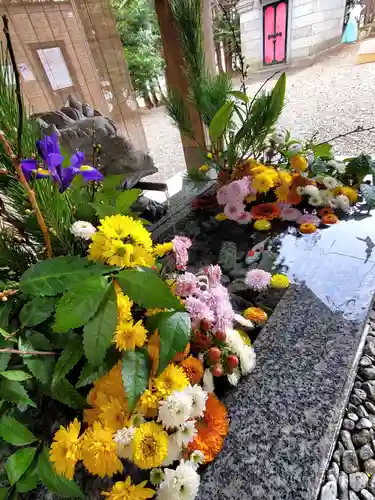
x=313, y=26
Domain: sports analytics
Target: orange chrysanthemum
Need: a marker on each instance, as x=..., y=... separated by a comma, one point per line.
x=212, y=429
x=325, y=211
x=193, y=368
x=330, y=219
x=255, y=314
x=307, y=228
x=266, y=211
x=298, y=181
x=182, y=355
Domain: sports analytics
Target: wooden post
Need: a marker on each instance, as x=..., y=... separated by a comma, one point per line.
x=176, y=79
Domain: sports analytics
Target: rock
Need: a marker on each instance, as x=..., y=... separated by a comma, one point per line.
x=358, y=481
x=329, y=491
x=369, y=466
x=357, y=384
x=236, y=286
x=336, y=457
x=370, y=407
x=371, y=417
x=347, y=424
x=347, y=440
x=353, y=496
x=343, y=486
x=365, y=452
x=364, y=423
x=238, y=271
x=362, y=412
x=353, y=416
x=340, y=448
x=369, y=373
x=360, y=438
x=370, y=349
x=366, y=495
x=225, y=280
x=352, y=408
x=228, y=255
x=365, y=361
x=349, y=462
x=334, y=471
x=360, y=393
x=370, y=390
x=372, y=315
x=355, y=400
x=371, y=484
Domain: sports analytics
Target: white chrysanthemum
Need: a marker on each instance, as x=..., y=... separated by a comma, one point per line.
x=339, y=166
x=234, y=341
x=234, y=377
x=341, y=202
x=196, y=458
x=279, y=136
x=243, y=321
x=310, y=190
x=316, y=200
x=198, y=400
x=124, y=439
x=329, y=182
x=174, y=451
x=179, y=484
x=295, y=148
x=300, y=190
x=156, y=476
x=175, y=410
x=186, y=433
x=326, y=196
x=208, y=381
x=247, y=359
x=83, y=229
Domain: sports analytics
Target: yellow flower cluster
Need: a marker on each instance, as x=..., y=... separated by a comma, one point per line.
x=124, y=490
x=280, y=281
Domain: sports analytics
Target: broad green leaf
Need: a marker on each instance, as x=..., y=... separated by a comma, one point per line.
x=319, y=167
x=104, y=209
x=147, y=289
x=4, y=356
x=29, y=480
x=68, y=358
x=241, y=96
x=14, y=392
x=113, y=181
x=41, y=366
x=53, y=276
x=57, y=484
x=359, y=167
x=80, y=303
x=90, y=373
x=323, y=150
x=14, y=432
x=5, y=308
x=17, y=375
x=278, y=97
x=220, y=121
x=66, y=393
x=4, y=493
x=98, y=332
x=18, y=463
x=39, y=342
x=368, y=193
x=37, y=310
x=126, y=200
x=135, y=373
x=174, y=330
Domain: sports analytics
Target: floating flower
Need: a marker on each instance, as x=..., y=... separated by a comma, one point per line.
x=198, y=400
x=255, y=314
x=130, y=335
x=175, y=410
x=193, y=368
x=99, y=451
x=262, y=183
x=267, y=211
x=341, y=202
x=221, y=217
x=150, y=445
x=181, y=244
x=307, y=228
x=186, y=433
x=350, y=193
x=162, y=249
x=179, y=484
x=257, y=279
x=330, y=219
x=308, y=219
x=173, y=378
x=65, y=449
x=82, y=229
x=280, y=281
x=262, y=225
x=124, y=439
x=124, y=490
x=325, y=211
x=290, y=214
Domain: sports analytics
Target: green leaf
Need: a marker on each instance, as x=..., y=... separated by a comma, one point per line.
x=126, y=200
x=40, y=366
x=241, y=96
x=103, y=209
x=14, y=432
x=29, y=480
x=98, y=332
x=4, y=493
x=66, y=393
x=220, y=121
x=57, y=484
x=174, y=330
x=359, y=167
x=147, y=289
x=278, y=96
x=80, y=303
x=113, y=181
x=323, y=150
x=4, y=356
x=68, y=358
x=319, y=167
x=368, y=193
x=37, y=310
x=53, y=276
x=14, y=392
x=39, y=342
x=5, y=308
x=90, y=373
x=18, y=463
x=17, y=375
x=135, y=373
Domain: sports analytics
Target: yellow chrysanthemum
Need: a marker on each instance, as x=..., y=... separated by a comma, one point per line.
x=124, y=305
x=162, y=249
x=280, y=281
x=65, y=449
x=220, y=217
x=114, y=413
x=109, y=385
x=150, y=445
x=204, y=168
x=285, y=177
x=123, y=227
x=148, y=404
x=258, y=169
x=250, y=198
x=155, y=310
x=349, y=192
x=263, y=183
x=255, y=314
x=282, y=192
x=298, y=163
x=128, y=335
x=99, y=451
x=124, y=490
x=173, y=378
x=262, y=225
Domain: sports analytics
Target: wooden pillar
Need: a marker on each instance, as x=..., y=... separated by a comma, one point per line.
x=208, y=36
x=176, y=79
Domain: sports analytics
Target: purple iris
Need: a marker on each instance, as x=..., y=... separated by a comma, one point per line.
x=49, y=150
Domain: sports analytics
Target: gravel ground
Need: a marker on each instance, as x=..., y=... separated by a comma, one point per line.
x=333, y=96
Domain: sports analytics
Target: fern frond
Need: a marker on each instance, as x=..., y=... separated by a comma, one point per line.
x=177, y=110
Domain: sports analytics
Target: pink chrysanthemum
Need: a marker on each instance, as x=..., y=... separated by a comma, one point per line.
x=244, y=218
x=186, y=284
x=181, y=244
x=257, y=279
x=198, y=311
x=234, y=211
x=308, y=219
x=213, y=274
x=290, y=214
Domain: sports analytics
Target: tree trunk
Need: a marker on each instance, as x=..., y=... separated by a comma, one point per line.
x=155, y=98
x=228, y=55
x=146, y=98
x=218, y=56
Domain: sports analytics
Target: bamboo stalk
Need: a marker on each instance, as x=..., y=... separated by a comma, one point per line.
x=28, y=353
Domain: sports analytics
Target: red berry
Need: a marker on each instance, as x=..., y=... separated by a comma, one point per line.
x=205, y=325
x=232, y=361
x=214, y=354
x=220, y=336
x=217, y=370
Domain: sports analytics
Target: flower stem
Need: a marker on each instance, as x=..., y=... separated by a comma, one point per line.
x=27, y=353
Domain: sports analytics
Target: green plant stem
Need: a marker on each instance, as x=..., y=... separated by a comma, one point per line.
x=28, y=353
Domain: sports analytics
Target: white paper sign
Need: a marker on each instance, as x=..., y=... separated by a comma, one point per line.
x=55, y=67
x=26, y=73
